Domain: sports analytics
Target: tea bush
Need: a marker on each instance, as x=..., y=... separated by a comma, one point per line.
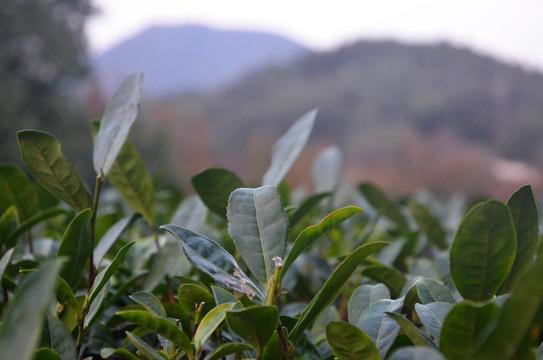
x=254, y=272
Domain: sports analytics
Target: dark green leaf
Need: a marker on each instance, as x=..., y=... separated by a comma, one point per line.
x=46, y=354
x=391, y=277
x=149, y=302
x=76, y=247
x=383, y=205
x=306, y=207
x=332, y=287
x=16, y=189
x=350, y=343
x=430, y=291
x=120, y=114
x=190, y=295
x=433, y=315
x=221, y=295
x=483, y=250
x=121, y=353
x=254, y=324
x=65, y=296
x=417, y=337
x=313, y=232
x=285, y=151
x=43, y=157
x=148, y=352
x=258, y=226
x=429, y=225
x=23, y=319
x=214, y=186
x=210, y=323
x=227, y=349
x=8, y=223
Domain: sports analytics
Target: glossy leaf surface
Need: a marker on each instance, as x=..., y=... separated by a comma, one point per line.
x=211, y=321
x=350, y=343
x=149, y=302
x=254, y=324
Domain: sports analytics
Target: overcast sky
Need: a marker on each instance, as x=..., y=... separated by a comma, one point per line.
x=510, y=29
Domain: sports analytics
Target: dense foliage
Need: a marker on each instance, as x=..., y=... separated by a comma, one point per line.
x=254, y=272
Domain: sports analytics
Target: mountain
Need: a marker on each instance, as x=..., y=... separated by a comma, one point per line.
x=191, y=58
x=431, y=115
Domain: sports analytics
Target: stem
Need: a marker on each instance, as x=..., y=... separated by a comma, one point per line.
x=274, y=286
x=283, y=341
x=97, y=189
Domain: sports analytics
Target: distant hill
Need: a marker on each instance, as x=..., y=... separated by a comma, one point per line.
x=386, y=104
x=191, y=58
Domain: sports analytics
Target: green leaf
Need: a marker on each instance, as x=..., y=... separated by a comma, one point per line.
x=306, y=207
x=350, y=343
x=313, y=232
x=161, y=326
x=148, y=352
x=210, y=323
x=104, y=276
x=258, y=225
x=110, y=237
x=433, y=315
x=430, y=291
x=517, y=317
x=222, y=296
x=190, y=295
x=149, y=302
x=332, y=287
x=429, y=225
x=208, y=256
x=76, y=247
x=273, y=349
x=285, y=151
x=16, y=189
x=214, y=186
x=364, y=296
x=97, y=306
x=46, y=354
x=120, y=353
x=254, y=324
x=8, y=222
x=120, y=114
x=65, y=296
x=23, y=319
x=391, y=277
x=43, y=158
x=462, y=331
x=327, y=169
x=414, y=334
x=61, y=339
x=416, y=353
x=383, y=205
x=381, y=329
x=4, y=262
x=34, y=220
x=483, y=250
x=526, y=221
x=228, y=349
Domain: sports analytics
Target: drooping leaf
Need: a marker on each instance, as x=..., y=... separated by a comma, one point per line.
x=430, y=291
x=332, y=287
x=364, y=296
x=120, y=114
x=383, y=205
x=76, y=247
x=350, y=343
x=255, y=324
x=306, y=207
x=111, y=235
x=416, y=353
x=210, y=323
x=23, y=319
x=214, y=186
x=381, y=328
x=483, y=250
x=227, y=349
x=148, y=352
x=43, y=158
x=526, y=221
x=432, y=316
x=16, y=189
x=209, y=257
x=313, y=232
x=61, y=339
x=258, y=226
x=462, y=330
x=389, y=276
x=327, y=169
x=149, y=302
x=415, y=335
x=285, y=151
x=428, y=224
x=160, y=326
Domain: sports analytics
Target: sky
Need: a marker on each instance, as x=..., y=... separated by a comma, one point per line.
x=509, y=29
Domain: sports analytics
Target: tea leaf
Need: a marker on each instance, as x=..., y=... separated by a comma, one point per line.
x=214, y=186
x=483, y=250
x=61, y=339
x=190, y=295
x=416, y=353
x=350, y=343
x=258, y=225
x=432, y=316
x=210, y=323
x=46, y=354
x=306, y=207
x=389, y=276
x=414, y=334
x=429, y=225
x=285, y=151
x=32, y=221
x=148, y=352
x=383, y=205
x=227, y=349
x=120, y=114
x=43, y=158
x=149, y=302
x=364, y=296
x=111, y=235
x=327, y=169
x=254, y=324
x=16, y=189
x=430, y=291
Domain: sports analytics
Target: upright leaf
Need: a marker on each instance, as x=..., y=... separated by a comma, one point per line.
x=23, y=319
x=526, y=221
x=148, y=352
x=350, y=343
x=43, y=158
x=120, y=114
x=483, y=250
x=16, y=189
x=214, y=186
x=286, y=150
x=258, y=225
x=208, y=256
x=254, y=324
x=149, y=302
x=383, y=205
x=210, y=323
x=332, y=287
x=327, y=169
x=76, y=247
